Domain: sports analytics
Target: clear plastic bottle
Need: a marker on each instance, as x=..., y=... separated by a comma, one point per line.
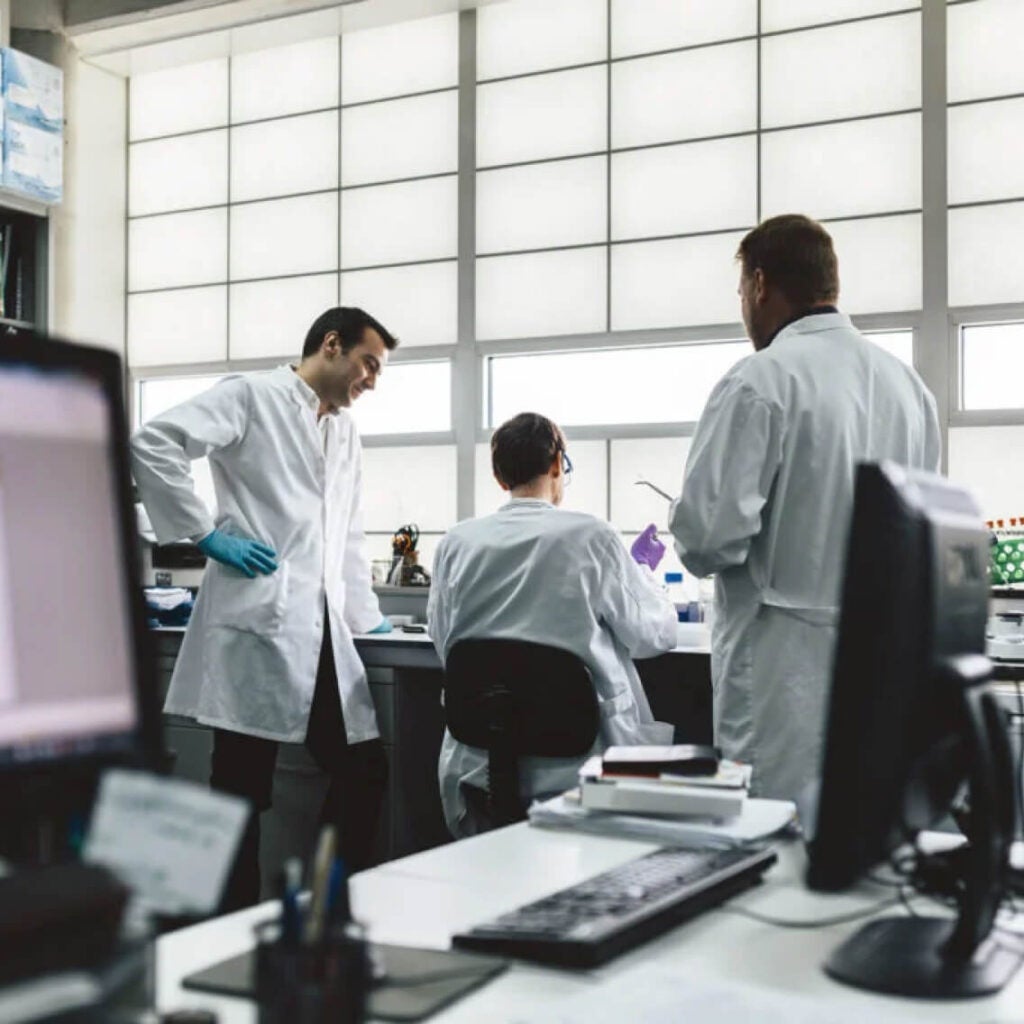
x=707, y=600
x=677, y=594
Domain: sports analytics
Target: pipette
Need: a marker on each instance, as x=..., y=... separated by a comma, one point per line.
x=655, y=488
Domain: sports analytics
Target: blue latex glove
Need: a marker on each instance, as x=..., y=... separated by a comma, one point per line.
x=247, y=556
x=383, y=627
x=647, y=549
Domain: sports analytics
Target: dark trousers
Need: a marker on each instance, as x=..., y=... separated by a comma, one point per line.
x=244, y=766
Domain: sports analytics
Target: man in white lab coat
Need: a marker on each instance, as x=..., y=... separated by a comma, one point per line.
x=268, y=654
x=532, y=571
x=768, y=494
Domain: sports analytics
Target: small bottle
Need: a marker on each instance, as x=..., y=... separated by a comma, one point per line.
x=677, y=594
x=707, y=601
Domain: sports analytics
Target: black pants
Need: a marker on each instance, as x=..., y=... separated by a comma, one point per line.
x=244, y=766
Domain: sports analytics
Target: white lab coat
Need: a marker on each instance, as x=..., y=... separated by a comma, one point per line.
x=249, y=658
x=766, y=505
x=535, y=572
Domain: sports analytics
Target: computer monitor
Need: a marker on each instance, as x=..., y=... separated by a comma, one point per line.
x=910, y=722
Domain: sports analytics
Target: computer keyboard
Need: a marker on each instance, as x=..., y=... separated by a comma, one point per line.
x=595, y=920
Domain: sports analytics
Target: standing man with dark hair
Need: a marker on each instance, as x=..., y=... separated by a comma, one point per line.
x=768, y=494
x=268, y=654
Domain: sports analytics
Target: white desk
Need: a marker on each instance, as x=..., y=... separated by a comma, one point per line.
x=423, y=899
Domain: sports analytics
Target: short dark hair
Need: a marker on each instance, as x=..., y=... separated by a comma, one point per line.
x=796, y=255
x=524, y=447
x=350, y=322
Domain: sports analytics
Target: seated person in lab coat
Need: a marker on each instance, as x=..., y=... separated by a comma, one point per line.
x=535, y=572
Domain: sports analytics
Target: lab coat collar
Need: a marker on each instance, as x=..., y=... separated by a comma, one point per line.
x=525, y=503
x=809, y=323
x=297, y=388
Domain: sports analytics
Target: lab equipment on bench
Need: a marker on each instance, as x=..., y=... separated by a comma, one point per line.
x=640, y=482
x=405, y=568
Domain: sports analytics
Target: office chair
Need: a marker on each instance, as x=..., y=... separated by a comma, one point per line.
x=518, y=699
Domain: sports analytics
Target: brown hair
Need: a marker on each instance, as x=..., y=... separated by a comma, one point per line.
x=524, y=447
x=795, y=254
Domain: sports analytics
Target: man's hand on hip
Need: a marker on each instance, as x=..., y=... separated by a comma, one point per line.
x=247, y=556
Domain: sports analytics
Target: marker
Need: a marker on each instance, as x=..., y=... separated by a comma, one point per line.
x=322, y=863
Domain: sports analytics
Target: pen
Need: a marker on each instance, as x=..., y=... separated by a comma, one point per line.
x=322, y=863
x=291, y=919
x=338, y=910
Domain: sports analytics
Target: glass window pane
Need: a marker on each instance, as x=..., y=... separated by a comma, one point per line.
x=684, y=281
x=177, y=249
x=984, y=247
x=541, y=294
x=782, y=14
x=285, y=80
x=179, y=173
x=862, y=68
x=986, y=152
x=159, y=394
x=879, y=263
x=181, y=99
x=409, y=485
x=400, y=139
x=897, y=343
x=643, y=26
x=993, y=366
x=541, y=205
x=701, y=186
x=284, y=236
x=417, y=304
x=271, y=319
x=689, y=95
x=658, y=459
x=537, y=35
x=544, y=116
x=409, y=398
x=413, y=220
x=841, y=170
x=983, y=43
x=411, y=56
x=978, y=457
x=188, y=325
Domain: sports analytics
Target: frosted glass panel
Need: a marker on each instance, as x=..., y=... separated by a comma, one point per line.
x=284, y=236
x=544, y=116
x=417, y=304
x=180, y=99
x=537, y=35
x=978, y=457
x=676, y=282
x=177, y=249
x=658, y=459
x=412, y=56
x=879, y=263
x=409, y=398
x=984, y=248
x=285, y=80
x=541, y=293
x=993, y=366
x=986, y=152
x=897, y=343
x=399, y=139
x=842, y=170
x=188, y=325
x=271, y=319
x=278, y=158
x=864, y=68
x=175, y=174
x=779, y=14
x=540, y=205
x=702, y=186
x=643, y=26
x=414, y=220
x=983, y=42
x=409, y=485
x=686, y=95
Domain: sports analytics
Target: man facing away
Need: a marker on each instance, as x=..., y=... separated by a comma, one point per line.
x=768, y=495
x=535, y=572
x=268, y=655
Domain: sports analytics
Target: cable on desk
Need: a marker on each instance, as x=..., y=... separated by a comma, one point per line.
x=820, y=922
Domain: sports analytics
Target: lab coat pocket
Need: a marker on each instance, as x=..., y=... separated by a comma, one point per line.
x=254, y=605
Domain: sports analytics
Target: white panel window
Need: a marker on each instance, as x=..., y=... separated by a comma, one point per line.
x=983, y=43
x=417, y=304
x=400, y=139
x=284, y=157
x=986, y=152
x=660, y=460
x=701, y=186
x=411, y=56
x=897, y=343
x=157, y=395
x=644, y=26
x=841, y=170
x=984, y=265
x=863, y=68
x=978, y=457
x=783, y=14
x=993, y=366
x=879, y=263
x=412, y=220
x=177, y=174
x=687, y=95
x=187, y=325
x=410, y=398
x=559, y=114
x=541, y=294
x=182, y=99
x=177, y=249
x=270, y=319
x=598, y=387
x=409, y=485
x=284, y=236
x=536, y=35
x=675, y=282
x=285, y=80
x=542, y=205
